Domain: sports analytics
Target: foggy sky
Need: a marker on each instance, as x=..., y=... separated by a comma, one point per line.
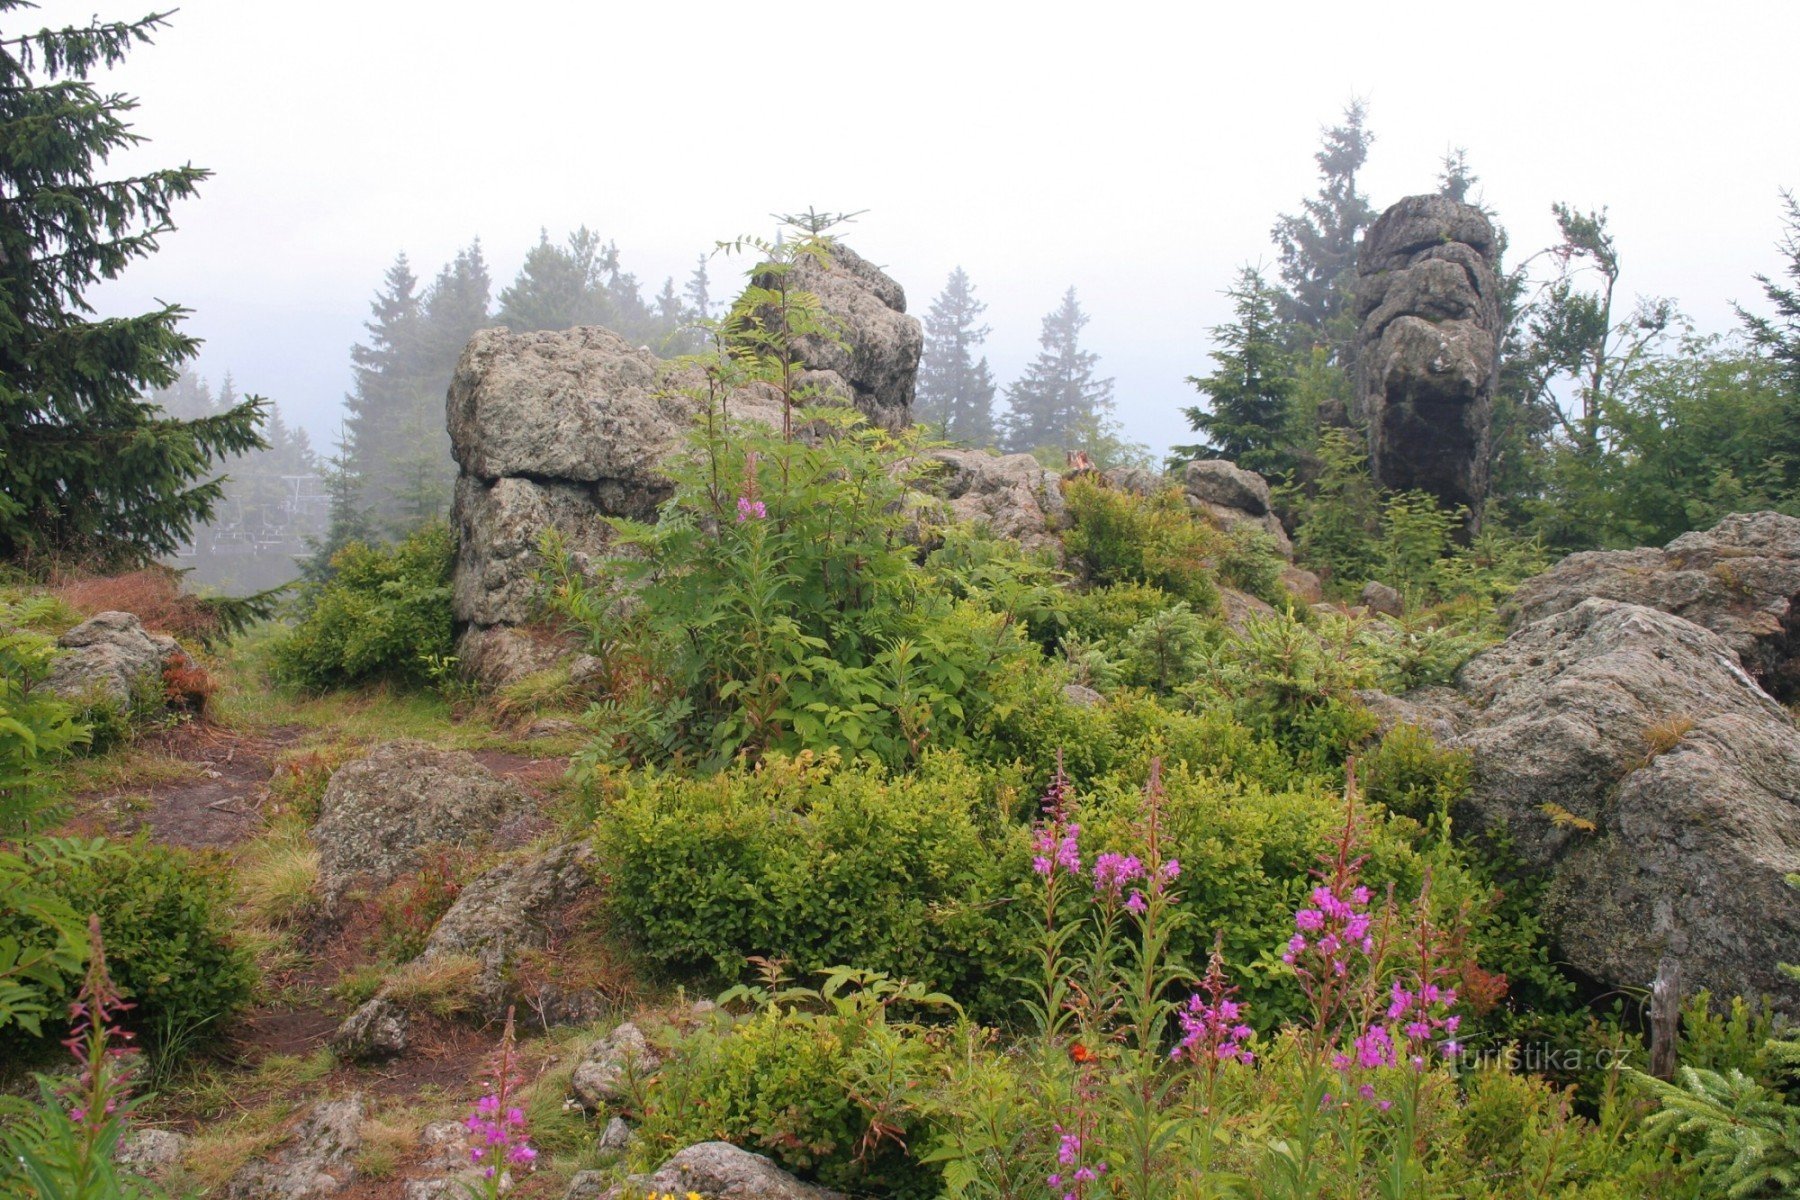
x=1139, y=152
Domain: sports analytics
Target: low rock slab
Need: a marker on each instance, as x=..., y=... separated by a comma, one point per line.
x=1740, y=579
x=380, y=812
x=719, y=1171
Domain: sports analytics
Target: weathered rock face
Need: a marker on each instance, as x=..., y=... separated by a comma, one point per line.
x=110, y=656
x=1740, y=579
x=1428, y=349
x=380, y=811
x=875, y=356
x=1630, y=756
x=561, y=430
x=317, y=1162
x=1013, y=495
x=720, y=1171
x=1232, y=496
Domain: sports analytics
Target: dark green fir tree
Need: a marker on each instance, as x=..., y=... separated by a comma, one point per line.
x=1249, y=415
x=956, y=389
x=88, y=465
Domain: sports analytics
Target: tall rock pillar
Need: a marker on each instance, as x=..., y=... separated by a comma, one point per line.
x=1428, y=351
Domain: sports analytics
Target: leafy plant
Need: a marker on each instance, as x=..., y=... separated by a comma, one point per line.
x=36, y=726
x=831, y=1082
x=775, y=602
x=167, y=921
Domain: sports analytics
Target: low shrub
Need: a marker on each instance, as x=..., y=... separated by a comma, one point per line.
x=383, y=616
x=817, y=863
x=1107, y=614
x=166, y=918
x=827, y=1082
x=1407, y=773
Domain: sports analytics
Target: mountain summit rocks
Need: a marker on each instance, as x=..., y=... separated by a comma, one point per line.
x=561, y=430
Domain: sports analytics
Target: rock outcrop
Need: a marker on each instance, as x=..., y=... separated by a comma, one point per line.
x=111, y=659
x=379, y=812
x=1232, y=496
x=561, y=430
x=1740, y=579
x=1428, y=348
x=873, y=359
x=1628, y=755
x=720, y=1171
x=1012, y=495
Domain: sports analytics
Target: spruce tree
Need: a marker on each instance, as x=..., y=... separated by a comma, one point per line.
x=88, y=465
x=1249, y=416
x=392, y=382
x=1779, y=336
x=698, y=292
x=1057, y=403
x=560, y=287
x=1318, y=244
x=956, y=390
x=1455, y=179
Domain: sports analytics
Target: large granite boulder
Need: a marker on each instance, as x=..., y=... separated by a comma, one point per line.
x=381, y=811
x=526, y=903
x=1012, y=495
x=111, y=659
x=498, y=525
x=1740, y=579
x=1428, y=349
x=719, y=1171
x=1627, y=754
x=1231, y=496
x=518, y=906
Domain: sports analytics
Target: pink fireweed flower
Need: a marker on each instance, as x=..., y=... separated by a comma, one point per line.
x=748, y=509
x=1212, y=1021
x=1057, y=848
x=1113, y=871
x=497, y=1133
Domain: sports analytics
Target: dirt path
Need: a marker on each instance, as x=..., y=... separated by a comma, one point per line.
x=221, y=807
